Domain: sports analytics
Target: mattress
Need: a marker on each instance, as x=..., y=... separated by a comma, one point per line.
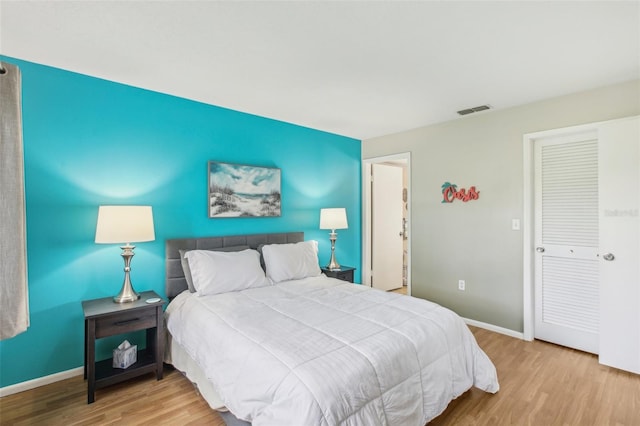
x=176, y=355
x=324, y=352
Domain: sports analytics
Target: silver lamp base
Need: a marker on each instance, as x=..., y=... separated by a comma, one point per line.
x=333, y=263
x=127, y=293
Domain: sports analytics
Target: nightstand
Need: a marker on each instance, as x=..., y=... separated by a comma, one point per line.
x=103, y=318
x=345, y=273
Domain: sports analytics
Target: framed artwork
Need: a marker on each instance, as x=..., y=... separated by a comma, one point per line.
x=237, y=190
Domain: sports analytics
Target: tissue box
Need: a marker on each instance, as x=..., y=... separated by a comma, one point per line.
x=125, y=355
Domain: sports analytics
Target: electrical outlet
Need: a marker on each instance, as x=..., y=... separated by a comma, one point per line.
x=461, y=285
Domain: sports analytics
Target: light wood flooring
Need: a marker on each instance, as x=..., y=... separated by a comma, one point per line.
x=401, y=290
x=540, y=384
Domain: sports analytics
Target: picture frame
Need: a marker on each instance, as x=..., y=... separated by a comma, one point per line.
x=240, y=190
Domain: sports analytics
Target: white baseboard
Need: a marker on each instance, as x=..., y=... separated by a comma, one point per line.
x=41, y=381
x=495, y=328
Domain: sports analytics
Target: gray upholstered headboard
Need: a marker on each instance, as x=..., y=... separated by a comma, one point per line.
x=175, y=281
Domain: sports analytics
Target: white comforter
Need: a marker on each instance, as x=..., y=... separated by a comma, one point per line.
x=320, y=351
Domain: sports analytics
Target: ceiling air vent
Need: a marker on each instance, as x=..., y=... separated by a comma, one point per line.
x=474, y=109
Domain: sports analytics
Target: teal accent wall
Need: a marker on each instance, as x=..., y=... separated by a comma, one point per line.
x=89, y=142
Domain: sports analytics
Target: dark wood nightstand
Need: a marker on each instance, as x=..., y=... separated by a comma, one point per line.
x=345, y=273
x=103, y=318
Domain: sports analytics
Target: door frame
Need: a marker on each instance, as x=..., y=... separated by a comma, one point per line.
x=528, y=238
x=366, y=213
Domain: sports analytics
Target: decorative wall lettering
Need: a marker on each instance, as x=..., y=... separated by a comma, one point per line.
x=450, y=192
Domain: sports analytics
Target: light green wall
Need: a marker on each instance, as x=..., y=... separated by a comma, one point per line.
x=474, y=241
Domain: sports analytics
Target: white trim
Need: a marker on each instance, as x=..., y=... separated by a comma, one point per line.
x=366, y=214
x=527, y=238
x=366, y=224
x=41, y=381
x=495, y=328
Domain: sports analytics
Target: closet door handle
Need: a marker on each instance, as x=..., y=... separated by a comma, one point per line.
x=608, y=257
x=540, y=249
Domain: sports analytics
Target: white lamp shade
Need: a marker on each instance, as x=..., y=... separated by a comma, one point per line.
x=124, y=224
x=333, y=218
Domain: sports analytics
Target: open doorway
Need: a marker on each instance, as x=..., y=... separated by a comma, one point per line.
x=387, y=223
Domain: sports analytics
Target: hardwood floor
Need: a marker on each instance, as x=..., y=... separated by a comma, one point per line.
x=140, y=401
x=540, y=384
x=546, y=384
x=401, y=290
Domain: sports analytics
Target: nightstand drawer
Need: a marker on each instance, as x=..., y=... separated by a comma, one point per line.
x=345, y=276
x=345, y=273
x=125, y=322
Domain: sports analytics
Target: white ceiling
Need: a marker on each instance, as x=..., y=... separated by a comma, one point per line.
x=359, y=69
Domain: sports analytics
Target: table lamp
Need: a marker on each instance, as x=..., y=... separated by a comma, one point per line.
x=124, y=225
x=335, y=218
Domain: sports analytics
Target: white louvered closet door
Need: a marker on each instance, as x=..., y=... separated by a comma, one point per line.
x=566, y=241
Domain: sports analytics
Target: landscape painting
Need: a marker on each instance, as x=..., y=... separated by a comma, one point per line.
x=237, y=190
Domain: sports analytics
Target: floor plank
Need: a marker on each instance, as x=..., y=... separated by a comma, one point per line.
x=545, y=384
x=401, y=290
x=141, y=401
x=540, y=384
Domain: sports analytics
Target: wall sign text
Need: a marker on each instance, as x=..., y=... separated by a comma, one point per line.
x=450, y=192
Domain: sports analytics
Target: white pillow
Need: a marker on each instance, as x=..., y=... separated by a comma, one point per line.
x=216, y=272
x=185, y=263
x=291, y=261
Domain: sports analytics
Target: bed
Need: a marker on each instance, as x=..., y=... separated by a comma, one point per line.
x=291, y=346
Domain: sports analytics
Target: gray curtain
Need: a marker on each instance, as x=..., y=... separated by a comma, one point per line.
x=14, y=299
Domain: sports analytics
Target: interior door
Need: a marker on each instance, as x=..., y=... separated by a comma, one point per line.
x=620, y=243
x=386, y=227
x=566, y=240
